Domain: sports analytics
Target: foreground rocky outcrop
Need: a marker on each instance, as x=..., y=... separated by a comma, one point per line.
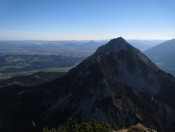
x=136, y=128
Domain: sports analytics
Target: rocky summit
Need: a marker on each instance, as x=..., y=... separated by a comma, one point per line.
x=117, y=84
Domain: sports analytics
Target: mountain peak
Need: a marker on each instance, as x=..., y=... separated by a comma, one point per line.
x=114, y=45
x=117, y=40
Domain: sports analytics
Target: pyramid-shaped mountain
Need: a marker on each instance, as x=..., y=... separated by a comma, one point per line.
x=117, y=84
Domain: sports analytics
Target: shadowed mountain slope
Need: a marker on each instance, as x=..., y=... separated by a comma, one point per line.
x=117, y=84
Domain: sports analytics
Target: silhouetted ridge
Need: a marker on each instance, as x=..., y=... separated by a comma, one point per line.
x=117, y=40
x=114, y=45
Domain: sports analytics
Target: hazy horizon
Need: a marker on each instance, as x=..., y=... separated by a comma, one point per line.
x=86, y=40
x=87, y=20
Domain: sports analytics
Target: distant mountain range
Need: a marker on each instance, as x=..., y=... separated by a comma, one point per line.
x=144, y=44
x=32, y=56
x=26, y=57
x=64, y=48
x=163, y=55
x=117, y=84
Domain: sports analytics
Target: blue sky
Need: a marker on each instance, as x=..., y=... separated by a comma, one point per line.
x=86, y=19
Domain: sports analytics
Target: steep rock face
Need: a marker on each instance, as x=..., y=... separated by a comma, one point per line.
x=117, y=84
x=128, y=65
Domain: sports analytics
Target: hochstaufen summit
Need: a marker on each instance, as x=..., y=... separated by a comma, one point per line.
x=129, y=66
x=113, y=46
x=117, y=84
